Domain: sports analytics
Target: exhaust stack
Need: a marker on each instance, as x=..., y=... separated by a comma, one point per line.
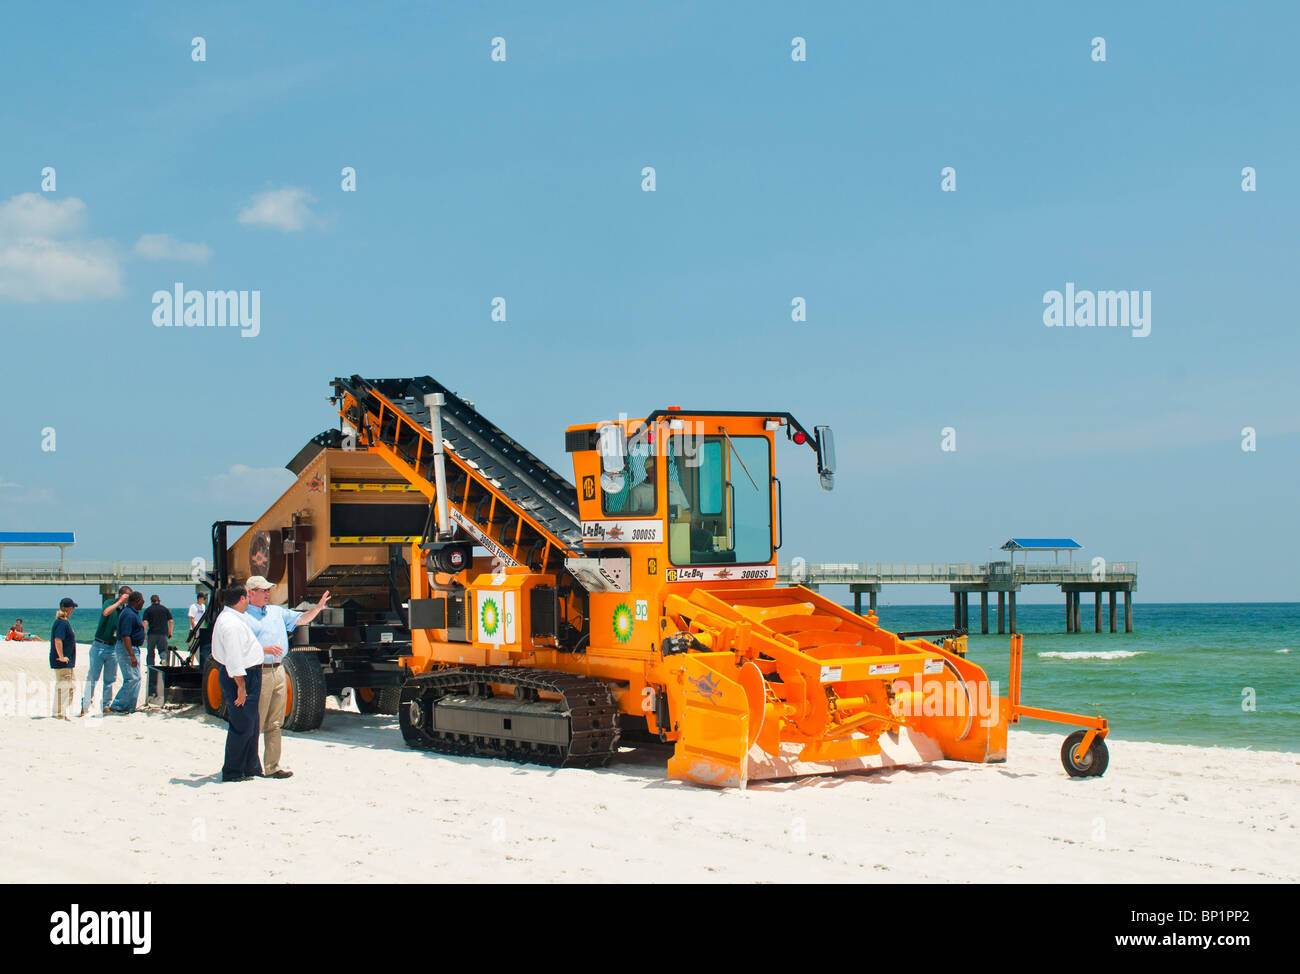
x=435, y=401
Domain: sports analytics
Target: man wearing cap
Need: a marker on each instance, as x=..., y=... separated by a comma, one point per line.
x=63, y=658
x=238, y=655
x=271, y=624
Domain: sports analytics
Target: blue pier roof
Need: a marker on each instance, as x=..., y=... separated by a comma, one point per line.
x=36, y=537
x=1041, y=544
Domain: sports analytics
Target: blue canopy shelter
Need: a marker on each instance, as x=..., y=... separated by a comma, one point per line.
x=1054, y=545
x=37, y=539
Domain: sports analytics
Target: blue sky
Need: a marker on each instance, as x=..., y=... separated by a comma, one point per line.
x=775, y=179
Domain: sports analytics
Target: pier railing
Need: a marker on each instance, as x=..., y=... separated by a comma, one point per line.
x=830, y=573
x=96, y=572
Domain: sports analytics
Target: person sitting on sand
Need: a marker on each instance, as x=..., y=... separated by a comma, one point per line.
x=16, y=634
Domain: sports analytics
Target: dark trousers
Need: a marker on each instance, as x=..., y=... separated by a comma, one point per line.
x=241, y=737
x=156, y=642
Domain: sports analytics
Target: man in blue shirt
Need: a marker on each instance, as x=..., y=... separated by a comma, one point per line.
x=271, y=624
x=130, y=655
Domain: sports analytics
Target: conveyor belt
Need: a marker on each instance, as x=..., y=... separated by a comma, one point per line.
x=480, y=448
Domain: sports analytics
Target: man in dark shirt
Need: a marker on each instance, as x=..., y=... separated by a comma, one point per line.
x=158, y=619
x=130, y=655
x=63, y=659
x=103, y=654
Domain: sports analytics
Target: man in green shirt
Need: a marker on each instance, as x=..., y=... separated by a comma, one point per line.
x=103, y=650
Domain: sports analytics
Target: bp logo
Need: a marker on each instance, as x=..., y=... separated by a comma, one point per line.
x=490, y=617
x=622, y=623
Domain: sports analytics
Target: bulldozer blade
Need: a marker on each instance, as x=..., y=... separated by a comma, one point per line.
x=714, y=722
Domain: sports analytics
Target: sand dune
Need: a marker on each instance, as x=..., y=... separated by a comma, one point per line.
x=137, y=799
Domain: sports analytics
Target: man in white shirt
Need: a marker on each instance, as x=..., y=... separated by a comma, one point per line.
x=197, y=610
x=642, y=497
x=272, y=624
x=238, y=656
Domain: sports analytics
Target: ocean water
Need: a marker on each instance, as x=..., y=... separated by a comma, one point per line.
x=85, y=619
x=1218, y=675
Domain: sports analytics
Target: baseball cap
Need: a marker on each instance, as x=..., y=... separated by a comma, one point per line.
x=67, y=604
x=257, y=582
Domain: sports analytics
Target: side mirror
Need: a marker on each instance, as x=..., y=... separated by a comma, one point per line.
x=609, y=445
x=826, y=456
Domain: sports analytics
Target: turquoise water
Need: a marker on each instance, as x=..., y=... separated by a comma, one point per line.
x=1182, y=684
x=1177, y=679
x=85, y=618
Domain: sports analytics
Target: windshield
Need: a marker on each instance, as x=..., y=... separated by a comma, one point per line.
x=719, y=500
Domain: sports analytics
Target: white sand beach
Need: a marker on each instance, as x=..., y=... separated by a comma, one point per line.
x=137, y=799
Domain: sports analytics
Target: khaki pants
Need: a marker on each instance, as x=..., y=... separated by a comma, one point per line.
x=65, y=691
x=270, y=708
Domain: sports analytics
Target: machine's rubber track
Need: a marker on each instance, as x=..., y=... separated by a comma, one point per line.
x=587, y=703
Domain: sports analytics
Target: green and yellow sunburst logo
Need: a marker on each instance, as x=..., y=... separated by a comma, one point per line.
x=622, y=623
x=490, y=617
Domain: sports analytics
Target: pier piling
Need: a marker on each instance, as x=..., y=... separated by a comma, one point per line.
x=1004, y=578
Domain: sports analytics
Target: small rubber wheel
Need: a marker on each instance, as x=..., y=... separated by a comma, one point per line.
x=1093, y=764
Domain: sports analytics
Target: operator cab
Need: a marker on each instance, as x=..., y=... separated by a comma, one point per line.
x=701, y=482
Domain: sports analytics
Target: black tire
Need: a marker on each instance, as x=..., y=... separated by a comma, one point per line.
x=307, y=692
x=214, y=702
x=411, y=716
x=377, y=700
x=1094, y=762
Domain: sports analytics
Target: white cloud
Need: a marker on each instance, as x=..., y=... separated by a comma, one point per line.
x=161, y=246
x=42, y=257
x=34, y=215
x=286, y=210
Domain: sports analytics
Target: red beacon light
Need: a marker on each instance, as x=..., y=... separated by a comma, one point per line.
x=800, y=437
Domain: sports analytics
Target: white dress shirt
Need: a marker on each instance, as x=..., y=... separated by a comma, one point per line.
x=233, y=644
x=642, y=497
x=196, y=614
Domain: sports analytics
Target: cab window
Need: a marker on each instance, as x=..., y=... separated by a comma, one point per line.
x=723, y=500
x=637, y=498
